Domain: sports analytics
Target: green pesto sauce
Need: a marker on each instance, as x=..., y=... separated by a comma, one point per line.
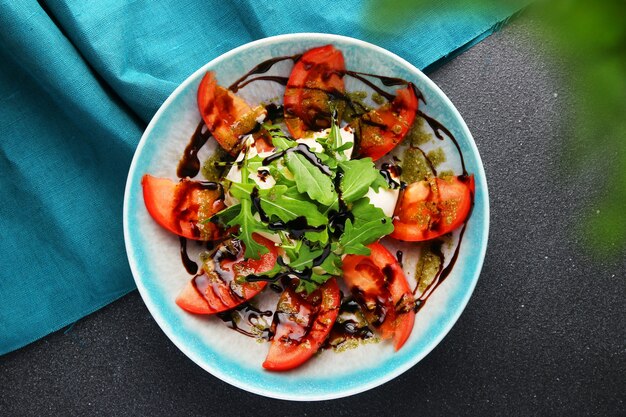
x=353, y=343
x=205, y=257
x=378, y=99
x=446, y=174
x=417, y=135
x=414, y=166
x=210, y=170
x=436, y=157
x=357, y=99
x=427, y=267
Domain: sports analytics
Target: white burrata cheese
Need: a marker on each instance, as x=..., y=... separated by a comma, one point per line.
x=385, y=199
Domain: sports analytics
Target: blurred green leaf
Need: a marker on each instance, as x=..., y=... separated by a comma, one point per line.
x=590, y=38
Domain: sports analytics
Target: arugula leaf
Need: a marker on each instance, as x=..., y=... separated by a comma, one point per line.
x=345, y=147
x=319, y=237
x=329, y=161
x=358, y=175
x=226, y=215
x=335, y=135
x=246, y=221
x=332, y=264
x=333, y=142
x=290, y=248
x=280, y=202
x=313, y=283
x=248, y=225
x=283, y=202
x=379, y=182
x=307, y=286
x=310, y=180
x=305, y=258
x=369, y=225
x=241, y=191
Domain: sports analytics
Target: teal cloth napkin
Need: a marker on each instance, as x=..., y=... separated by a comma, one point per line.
x=79, y=81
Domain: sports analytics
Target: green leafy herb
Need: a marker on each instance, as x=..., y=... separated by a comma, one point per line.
x=310, y=179
x=358, y=175
x=379, y=182
x=317, y=237
x=248, y=225
x=332, y=264
x=370, y=224
x=279, y=139
x=287, y=204
x=305, y=258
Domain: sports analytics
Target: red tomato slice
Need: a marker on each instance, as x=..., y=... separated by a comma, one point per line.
x=318, y=73
x=378, y=284
x=382, y=129
x=220, y=286
x=183, y=207
x=432, y=208
x=303, y=324
x=226, y=115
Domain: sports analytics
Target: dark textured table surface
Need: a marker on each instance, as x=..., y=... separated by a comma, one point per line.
x=544, y=332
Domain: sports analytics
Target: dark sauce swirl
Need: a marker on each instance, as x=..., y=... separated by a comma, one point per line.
x=190, y=266
x=303, y=150
x=189, y=164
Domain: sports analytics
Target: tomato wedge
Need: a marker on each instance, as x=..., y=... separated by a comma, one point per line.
x=302, y=323
x=226, y=115
x=220, y=286
x=184, y=207
x=316, y=75
x=379, y=286
x=431, y=208
x=380, y=130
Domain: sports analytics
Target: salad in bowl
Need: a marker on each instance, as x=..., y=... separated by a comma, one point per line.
x=315, y=206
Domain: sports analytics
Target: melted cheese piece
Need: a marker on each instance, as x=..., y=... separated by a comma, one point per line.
x=384, y=199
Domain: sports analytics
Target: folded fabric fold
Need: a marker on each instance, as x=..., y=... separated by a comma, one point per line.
x=78, y=83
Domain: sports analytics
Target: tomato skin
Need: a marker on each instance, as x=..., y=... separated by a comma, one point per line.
x=226, y=115
x=431, y=208
x=285, y=353
x=209, y=293
x=379, y=286
x=179, y=206
x=380, y=130
x=318, y=73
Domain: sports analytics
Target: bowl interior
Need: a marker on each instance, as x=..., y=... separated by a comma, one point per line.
x=154, y=253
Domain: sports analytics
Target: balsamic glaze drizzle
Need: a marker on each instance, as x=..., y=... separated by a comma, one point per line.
x=190, y=266
x=399, y=256
x=251, y=316
x=261, y=68
x=303, y=150
x=189, y=164
x=276, y=79
x=389, y=171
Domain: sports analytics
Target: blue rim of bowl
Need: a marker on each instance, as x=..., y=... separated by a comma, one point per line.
x=332, y=391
